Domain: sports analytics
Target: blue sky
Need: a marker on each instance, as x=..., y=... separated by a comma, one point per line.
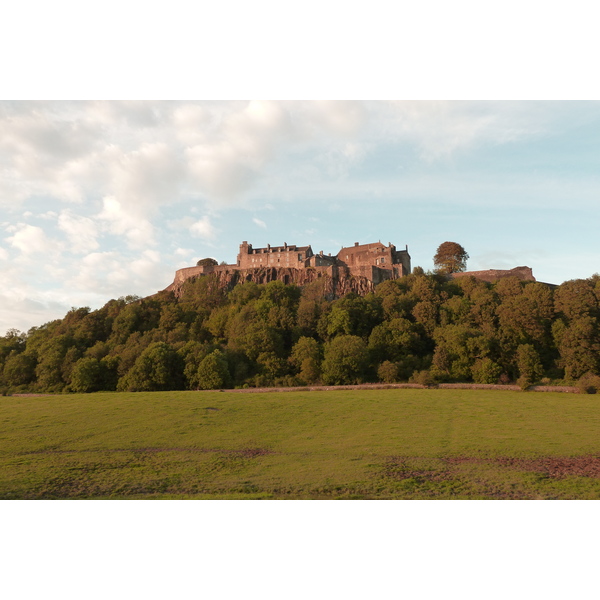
x=104, y=199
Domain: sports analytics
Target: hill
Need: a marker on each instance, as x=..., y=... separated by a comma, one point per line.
x=210, y=335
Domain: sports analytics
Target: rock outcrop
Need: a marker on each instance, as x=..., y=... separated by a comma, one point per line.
x=337, y=281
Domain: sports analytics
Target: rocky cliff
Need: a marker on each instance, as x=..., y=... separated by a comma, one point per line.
x=336, y=281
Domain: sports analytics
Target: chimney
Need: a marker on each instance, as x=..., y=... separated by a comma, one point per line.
x=356, y=243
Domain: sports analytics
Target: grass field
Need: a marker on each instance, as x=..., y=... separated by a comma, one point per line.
x=397, y=443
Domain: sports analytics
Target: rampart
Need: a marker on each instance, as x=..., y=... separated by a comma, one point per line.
x=493, y=275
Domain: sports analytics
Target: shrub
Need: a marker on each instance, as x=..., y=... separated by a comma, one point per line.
x=588, y=383
x=388, y=372
x=346, y=360
x=86, y=375
x=529, y=365
x=213, y=372
x=486, y=371
x=422, y=378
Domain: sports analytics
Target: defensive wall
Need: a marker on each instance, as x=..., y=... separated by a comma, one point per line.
x=493, y=275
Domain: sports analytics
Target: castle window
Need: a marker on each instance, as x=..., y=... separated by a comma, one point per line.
x=299, y=256
x=382, y=260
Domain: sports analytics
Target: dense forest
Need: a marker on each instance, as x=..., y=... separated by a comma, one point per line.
x=423, y=328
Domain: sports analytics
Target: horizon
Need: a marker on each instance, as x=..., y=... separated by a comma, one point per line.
x=105, y=199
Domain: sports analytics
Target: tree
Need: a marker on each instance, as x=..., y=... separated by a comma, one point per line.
x=213, y=372
x=450, y=258
x=306, y=357
x=529, y=365
x=86, y=375
x=346, y=360
x=207, y=262
x=157, y=368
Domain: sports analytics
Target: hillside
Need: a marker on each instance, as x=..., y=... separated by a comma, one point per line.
x=214, y=334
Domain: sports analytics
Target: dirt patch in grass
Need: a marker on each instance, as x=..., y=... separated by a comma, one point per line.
x=405, y=467
x=402, y=467
x=556, y=467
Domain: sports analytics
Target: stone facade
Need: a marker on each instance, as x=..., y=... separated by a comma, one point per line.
x=355, y=268
x=291, y=256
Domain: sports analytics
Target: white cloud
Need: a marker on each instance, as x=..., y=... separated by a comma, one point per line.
x=138, y=232
x=259, y=223
x=148, y=177
x=30, y=239
x=203, y=228
x=3, y=254
x=81, y=232
x=106, y=274
x=345, y=118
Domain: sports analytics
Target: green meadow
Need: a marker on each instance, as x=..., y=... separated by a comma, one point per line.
x=346, y=444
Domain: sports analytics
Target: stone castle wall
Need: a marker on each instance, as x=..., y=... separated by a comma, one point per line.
x=493, y=275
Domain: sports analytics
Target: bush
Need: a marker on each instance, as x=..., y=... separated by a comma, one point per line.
x=588, y=384
x=86, y=375
x=213, y=372
x=486, y=371
x=529, y=365
x=346, y=361
x=422, y=378
x=388, y=372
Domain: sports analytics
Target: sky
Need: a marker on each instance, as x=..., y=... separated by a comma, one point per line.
x=101, y=199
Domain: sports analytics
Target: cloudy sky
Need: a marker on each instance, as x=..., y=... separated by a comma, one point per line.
x=104, y=199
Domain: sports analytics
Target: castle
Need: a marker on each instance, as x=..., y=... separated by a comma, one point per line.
x=374, y=262
x=358, y=268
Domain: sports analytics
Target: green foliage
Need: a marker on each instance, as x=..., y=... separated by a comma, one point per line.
x=589, y=383
x=306, y=357
x=423, y=377
x=158, y=367
x=450, y=257
x=86, y=375
x=207, y=262
x=388, y=372
x=213, y=372
x=19, y=368
x=346, y=360
x=529, y=365
x=277, y=334
x=485, y=370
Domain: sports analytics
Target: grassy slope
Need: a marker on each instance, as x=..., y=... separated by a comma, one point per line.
x=361, y=444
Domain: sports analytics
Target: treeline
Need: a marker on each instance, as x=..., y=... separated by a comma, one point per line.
x=421, y=328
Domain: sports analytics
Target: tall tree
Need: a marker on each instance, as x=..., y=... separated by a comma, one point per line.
x=450, y=258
